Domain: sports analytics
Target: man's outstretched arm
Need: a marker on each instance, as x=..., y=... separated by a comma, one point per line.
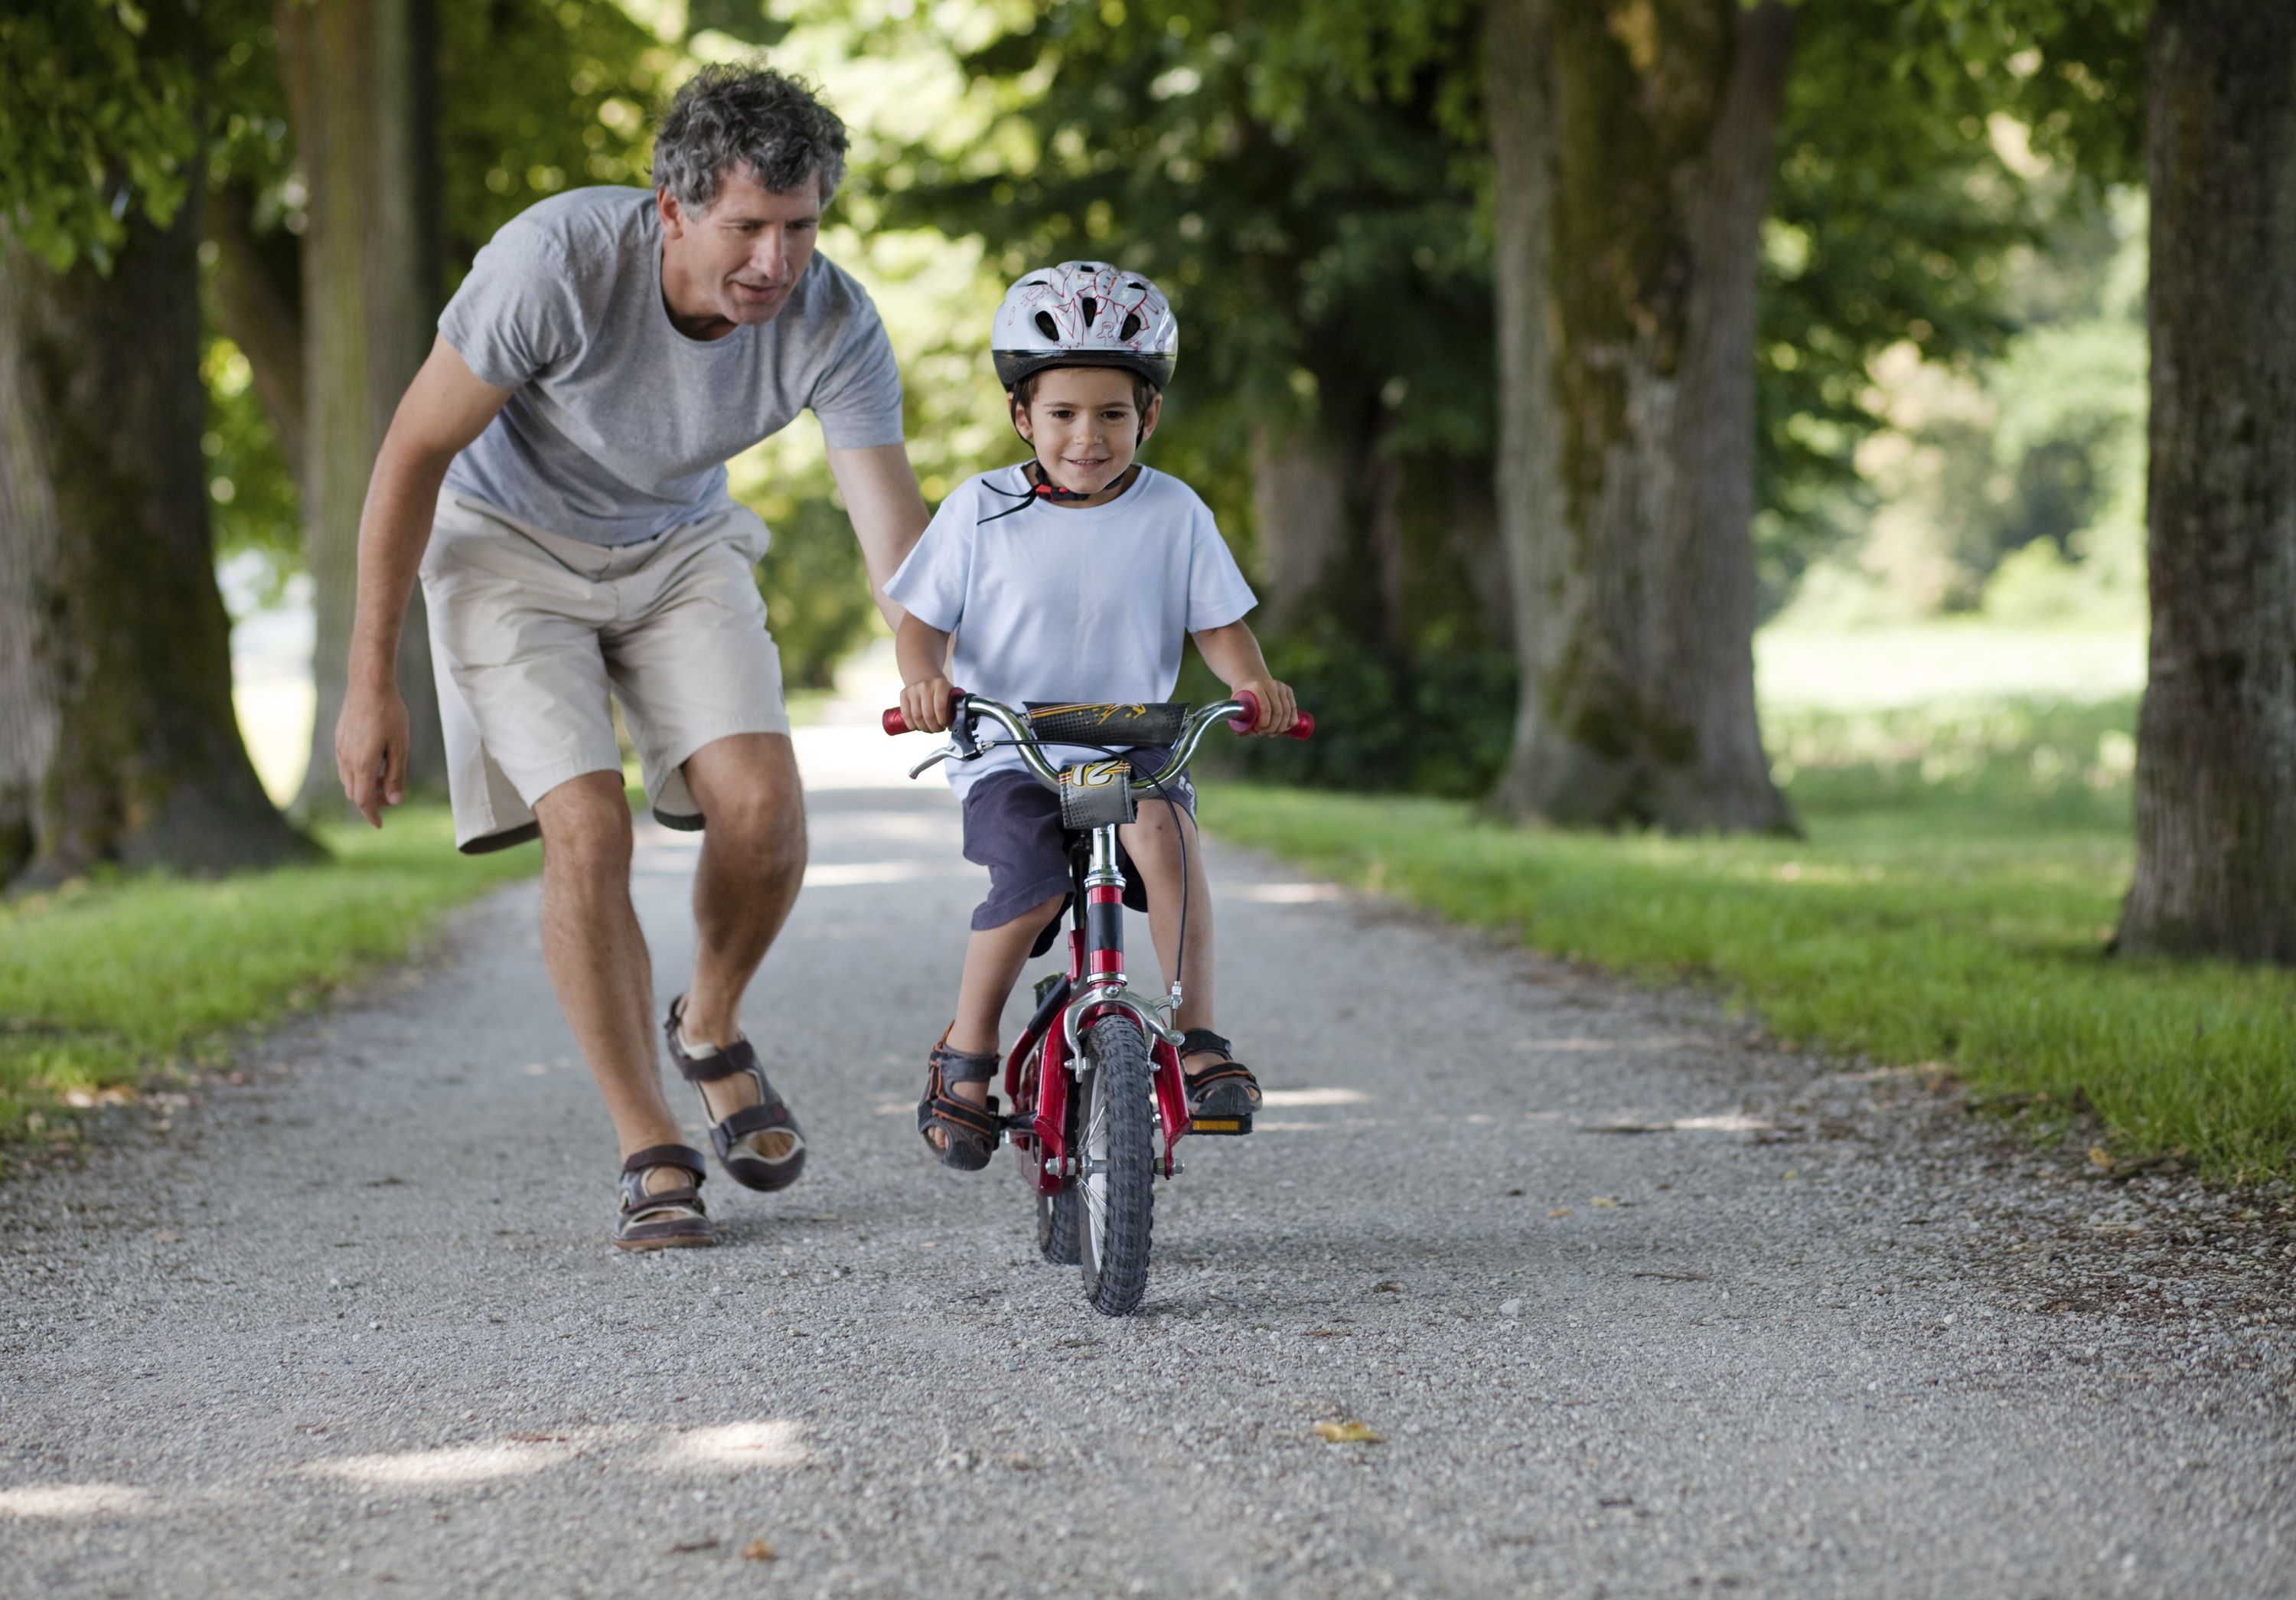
x=888, y=512
x=443, y=410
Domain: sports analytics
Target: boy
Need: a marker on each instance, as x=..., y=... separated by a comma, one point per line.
x=1082, y=598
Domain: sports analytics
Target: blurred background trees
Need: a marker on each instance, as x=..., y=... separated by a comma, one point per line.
x=1933, y=279
x=118, y=739
x=1314, y=181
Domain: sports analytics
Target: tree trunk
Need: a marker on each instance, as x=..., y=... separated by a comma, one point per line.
x=1632, y=150
x=2216, y=744
x=357, y=76
x=1298, y=511
x=118, y=740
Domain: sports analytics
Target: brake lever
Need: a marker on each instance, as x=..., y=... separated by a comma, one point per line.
x=960, y=727
x=950, y=753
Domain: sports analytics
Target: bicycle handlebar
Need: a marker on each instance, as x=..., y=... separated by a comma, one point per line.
x=1242, y=713
x=1303, y=724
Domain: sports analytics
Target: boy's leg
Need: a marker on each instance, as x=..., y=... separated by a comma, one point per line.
x=1154, y=844
x=993, y=960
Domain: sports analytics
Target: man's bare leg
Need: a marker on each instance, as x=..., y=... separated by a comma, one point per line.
x=753, y=850
x=597, y=960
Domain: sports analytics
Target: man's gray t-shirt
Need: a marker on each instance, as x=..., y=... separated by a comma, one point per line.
x=618, y=426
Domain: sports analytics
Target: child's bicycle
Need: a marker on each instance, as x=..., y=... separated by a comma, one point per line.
x=1098, y=1098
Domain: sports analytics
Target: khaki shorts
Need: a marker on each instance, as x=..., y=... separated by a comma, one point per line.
x=532, y=632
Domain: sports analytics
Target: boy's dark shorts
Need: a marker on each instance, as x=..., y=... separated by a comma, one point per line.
x=1013, y=828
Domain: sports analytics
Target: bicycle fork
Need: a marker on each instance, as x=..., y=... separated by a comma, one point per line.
x=1097, y=985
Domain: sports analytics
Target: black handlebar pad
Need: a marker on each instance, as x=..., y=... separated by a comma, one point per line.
x=1069, y=723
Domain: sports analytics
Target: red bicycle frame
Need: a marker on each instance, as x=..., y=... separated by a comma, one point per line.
x=1041, y=1145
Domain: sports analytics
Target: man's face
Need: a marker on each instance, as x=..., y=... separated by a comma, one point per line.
x=734, y=265
x=1085, y=425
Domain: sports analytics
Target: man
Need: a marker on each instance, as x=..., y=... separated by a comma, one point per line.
x=556, y=476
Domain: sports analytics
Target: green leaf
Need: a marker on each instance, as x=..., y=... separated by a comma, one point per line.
x=742, y=20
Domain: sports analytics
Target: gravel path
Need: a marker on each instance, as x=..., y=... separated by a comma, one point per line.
x=355, y=1327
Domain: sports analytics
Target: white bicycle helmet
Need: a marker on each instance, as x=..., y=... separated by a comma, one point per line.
x=1085, y=313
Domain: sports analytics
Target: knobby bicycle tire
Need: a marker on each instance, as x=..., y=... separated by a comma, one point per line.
x=1116, y=1128
x=1060, y=1226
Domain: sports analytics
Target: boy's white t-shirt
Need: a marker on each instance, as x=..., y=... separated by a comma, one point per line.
x=1090, y=604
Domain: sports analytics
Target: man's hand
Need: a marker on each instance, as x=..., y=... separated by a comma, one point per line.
x=370, y=738
x=924, y=704
x=1278, y=710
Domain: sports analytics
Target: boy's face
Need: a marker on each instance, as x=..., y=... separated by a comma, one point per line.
x=1085, y=425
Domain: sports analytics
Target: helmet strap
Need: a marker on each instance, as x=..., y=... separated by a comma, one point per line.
x=1045, y=488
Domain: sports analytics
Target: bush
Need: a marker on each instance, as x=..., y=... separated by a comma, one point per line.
x=817, y=591
x=1440, y=724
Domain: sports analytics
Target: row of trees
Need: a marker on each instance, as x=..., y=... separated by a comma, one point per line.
x=1505, y=316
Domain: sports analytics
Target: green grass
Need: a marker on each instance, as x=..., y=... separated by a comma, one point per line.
x=1951, y=904
x=125, y=984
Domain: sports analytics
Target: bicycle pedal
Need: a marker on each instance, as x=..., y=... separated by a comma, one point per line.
x=1221, y=1127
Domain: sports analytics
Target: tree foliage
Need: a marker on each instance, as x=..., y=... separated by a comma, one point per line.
x=100, y=113
x=536, y=96
x=1308, y=178
x=1326, y=270
x=1897, y=207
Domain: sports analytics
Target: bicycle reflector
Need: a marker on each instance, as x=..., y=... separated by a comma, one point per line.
x=1118, y=725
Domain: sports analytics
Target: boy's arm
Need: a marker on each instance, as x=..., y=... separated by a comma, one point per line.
x=921, y=653
x=1232, y=654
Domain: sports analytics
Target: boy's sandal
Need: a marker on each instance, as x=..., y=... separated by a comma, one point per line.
x=1225, y=1090
x=968, y=1132
x=662, y=1219
x=735, y=1134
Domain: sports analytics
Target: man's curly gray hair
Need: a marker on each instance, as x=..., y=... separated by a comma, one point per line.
x=734, y=115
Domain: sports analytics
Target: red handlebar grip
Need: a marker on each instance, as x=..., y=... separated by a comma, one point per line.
x=896, y=724
x=1301, y=729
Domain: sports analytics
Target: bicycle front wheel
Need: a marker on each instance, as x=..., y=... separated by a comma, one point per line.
x=1116, y=1123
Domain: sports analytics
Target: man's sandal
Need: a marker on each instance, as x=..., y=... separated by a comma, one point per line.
x=738, y=1134
x=1223, y=1097
x=662, y=1219
x=968, y=1132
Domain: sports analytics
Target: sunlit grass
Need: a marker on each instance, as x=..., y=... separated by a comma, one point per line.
x=1962, y=920
x=116, y=985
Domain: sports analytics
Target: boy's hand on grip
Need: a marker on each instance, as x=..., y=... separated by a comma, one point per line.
x=924, y=704
x=1278, y=711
